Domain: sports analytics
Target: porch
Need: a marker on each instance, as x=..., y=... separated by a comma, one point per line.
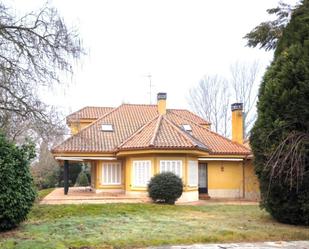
x=83, y=195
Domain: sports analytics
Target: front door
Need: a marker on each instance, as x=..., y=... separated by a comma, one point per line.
x=202, y=178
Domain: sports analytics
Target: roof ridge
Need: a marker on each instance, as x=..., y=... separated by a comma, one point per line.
x=137, y=132
x=173, y=109
x=76, y=113
x=181, y=132
x=92, y=106
x=155, y=134
x=140, y=104
x=215, y=133
x=188, y=119
x=189, y=136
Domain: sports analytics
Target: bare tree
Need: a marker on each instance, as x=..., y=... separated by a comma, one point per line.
x=211, y=100
x=244, y=82
x=34, y=48
x=45, y=170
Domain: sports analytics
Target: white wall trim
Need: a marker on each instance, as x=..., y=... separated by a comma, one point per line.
x=221, y=159
x=189, y=196
x=225, y=193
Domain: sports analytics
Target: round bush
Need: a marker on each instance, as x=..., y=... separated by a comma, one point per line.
x=165, y=188
x=82, y=180
x=17, y=192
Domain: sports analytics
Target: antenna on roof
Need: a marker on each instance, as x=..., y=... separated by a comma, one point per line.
x=149, y=76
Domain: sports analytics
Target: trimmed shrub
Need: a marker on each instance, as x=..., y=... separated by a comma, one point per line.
x=82, y=180
x=165, y=188
x=17, y=192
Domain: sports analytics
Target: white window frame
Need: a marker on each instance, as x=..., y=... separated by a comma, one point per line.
x=107, y=127
x=148, y=173
x=108, y=176
x=165, y=163
x=193, y=173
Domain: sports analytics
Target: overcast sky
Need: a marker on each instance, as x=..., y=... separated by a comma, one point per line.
x=176, y=41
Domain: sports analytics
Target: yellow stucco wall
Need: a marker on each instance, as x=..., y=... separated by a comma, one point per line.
x=224, y=175
x=237, y=126
x=162, y=106
x=155, y=169
x=251, y=182
x=225, y=178
x=76, y=127
x=98, y=177
x=232, y=179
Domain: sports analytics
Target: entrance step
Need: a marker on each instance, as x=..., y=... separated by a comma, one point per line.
x=204, y=197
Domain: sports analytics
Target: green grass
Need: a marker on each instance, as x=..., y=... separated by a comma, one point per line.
x=42, y=193
x=139, y=225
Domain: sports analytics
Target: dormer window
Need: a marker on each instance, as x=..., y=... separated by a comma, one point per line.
x=107, y=127
x=187, y=127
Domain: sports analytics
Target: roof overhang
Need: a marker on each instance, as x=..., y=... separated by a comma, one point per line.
x=221, y=159
x=162, y=151
x=81, y=159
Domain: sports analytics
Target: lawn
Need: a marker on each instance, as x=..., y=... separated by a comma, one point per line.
x=139, y=225
x=42, y=193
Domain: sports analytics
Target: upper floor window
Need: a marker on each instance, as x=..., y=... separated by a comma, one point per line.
x=187, y=127
x=107, y=127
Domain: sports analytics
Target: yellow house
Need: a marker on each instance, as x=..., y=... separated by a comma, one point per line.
x=127, y=145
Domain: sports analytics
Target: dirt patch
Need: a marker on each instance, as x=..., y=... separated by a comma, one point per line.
x=8, y=234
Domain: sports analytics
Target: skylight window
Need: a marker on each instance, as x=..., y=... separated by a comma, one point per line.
x=107, y=127
x=187, y=127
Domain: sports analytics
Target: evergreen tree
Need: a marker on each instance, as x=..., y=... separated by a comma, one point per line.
x=280, y=136
x=82, y=180
x=17, y=192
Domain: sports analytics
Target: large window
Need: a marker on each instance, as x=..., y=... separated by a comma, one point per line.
x=111, y=173
x=174, y=166
x=193, y=174
x=141, y=173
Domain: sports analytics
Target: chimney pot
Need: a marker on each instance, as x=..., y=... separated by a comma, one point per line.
x=161, y=96
x=237, y=106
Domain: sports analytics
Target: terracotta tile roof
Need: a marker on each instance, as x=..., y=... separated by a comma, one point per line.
x=189, y=115
x=126, y=119
x=141, y=127
x=160, y=133
x=88, y=112
x=216, y=143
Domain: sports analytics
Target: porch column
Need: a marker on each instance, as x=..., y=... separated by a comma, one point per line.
x=66, y=177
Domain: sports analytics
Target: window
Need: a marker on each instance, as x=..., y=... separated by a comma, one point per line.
x=187, y=127
x=111, y=174
x=193, y=174
x=107, y=127
x=174, y=166
x=141, y=173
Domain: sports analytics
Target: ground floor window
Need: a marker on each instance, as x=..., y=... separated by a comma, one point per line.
x=111, y=173
x=174, y=166
x=141, y=173
x=193, y=173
